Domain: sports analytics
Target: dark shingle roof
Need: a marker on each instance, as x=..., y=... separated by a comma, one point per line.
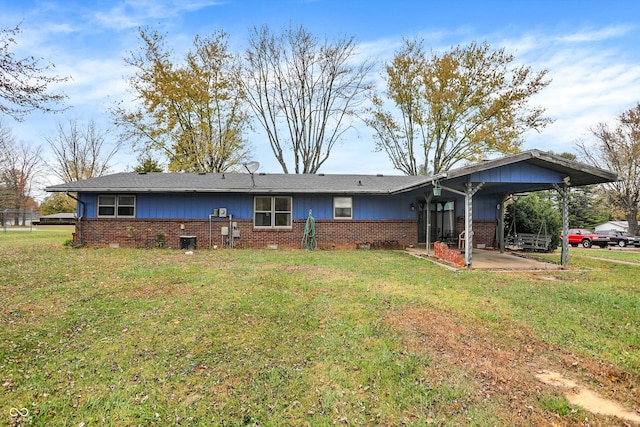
x=133, y=182
x=242, y=183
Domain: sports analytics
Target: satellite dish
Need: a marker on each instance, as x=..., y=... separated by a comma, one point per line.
x=251, y=167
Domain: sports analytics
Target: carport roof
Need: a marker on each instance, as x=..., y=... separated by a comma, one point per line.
x=561, y=170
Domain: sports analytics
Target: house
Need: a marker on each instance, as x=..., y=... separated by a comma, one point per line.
x=612, y=225
x=62, y=218
x=270, y=210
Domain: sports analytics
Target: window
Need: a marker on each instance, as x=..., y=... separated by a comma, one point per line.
x=342, y=208
x=117, y=206
x=272, y=212
x=106, y=205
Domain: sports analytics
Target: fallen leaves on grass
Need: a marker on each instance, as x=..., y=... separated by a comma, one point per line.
x=502, y=369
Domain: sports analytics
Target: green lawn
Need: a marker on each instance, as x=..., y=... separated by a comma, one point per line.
x=123, y=337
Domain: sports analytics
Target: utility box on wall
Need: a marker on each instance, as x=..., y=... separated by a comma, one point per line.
x=187, y=242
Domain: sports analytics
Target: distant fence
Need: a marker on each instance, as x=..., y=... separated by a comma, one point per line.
x=18, y=218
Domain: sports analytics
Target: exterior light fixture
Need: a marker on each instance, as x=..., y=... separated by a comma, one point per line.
x=437, y=190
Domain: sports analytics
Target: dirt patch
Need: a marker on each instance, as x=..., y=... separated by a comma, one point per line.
x=579, y=395
x=502, y=367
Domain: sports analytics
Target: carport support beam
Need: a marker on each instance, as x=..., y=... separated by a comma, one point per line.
x=564, y=193
x=427, y=227
x=500, y=218
x=468, y=216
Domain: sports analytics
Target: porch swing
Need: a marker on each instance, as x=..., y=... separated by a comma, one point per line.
x=527, y=241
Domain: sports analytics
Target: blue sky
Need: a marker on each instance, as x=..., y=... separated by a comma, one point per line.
x=589, y=47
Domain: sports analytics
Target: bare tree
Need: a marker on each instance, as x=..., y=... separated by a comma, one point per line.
x=618, y=150
x=81, y=152
x=303, y=92
x=19, y=168
x=24, y=83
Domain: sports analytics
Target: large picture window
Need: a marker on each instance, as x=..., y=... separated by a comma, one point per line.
x=342, y=208
x=117, y=206
x=272, y=212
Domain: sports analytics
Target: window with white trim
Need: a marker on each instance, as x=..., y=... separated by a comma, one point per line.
x=117, y=206
x=342, y=208
x=272, y=211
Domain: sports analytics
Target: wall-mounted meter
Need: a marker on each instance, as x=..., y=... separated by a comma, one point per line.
x=222, y=212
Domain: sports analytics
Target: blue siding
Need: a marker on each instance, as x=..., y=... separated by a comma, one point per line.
x=484, y=207
x=90, y=204
x=190, y=205
x=365, y=207
x=519, y=172
x=201, y=205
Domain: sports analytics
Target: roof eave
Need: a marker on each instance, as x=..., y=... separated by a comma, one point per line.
x=252, y=190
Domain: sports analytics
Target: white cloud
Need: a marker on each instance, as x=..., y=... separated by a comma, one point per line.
x=597, y=34
x=132, y=14
x=593, y=80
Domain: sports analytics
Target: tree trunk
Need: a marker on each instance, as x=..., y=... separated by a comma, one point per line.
x=632, y=219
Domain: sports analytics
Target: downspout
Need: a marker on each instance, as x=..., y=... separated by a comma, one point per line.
x=82, y=212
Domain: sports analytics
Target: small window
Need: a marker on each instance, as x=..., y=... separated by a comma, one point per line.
x=127, y=206
x=106, y=205
x=342, y=208
x=272, y=212
x=117, y=206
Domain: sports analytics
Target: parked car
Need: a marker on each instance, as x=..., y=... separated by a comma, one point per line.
x=622, y=238
x=587, y=238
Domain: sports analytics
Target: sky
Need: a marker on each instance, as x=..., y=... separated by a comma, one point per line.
x=590, y=49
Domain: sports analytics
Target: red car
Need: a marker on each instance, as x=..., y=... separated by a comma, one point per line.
x=587, y=238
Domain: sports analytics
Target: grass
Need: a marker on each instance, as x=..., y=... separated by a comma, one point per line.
x=125, y=337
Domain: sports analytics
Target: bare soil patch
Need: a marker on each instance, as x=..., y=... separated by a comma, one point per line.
x=504, y=368
x=590, y=400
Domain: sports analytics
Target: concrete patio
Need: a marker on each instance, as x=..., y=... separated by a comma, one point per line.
x=490, y=259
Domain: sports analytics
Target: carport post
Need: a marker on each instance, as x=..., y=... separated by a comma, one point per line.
x=500, y=218
x=468, y=220
x=468, y=225
x=427, y=217
x=468, y=216
x=564, y=192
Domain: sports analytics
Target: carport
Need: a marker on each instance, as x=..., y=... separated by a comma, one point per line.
x=494, y=181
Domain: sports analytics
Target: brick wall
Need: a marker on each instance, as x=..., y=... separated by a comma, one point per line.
x=484, y=232
x=346, y=234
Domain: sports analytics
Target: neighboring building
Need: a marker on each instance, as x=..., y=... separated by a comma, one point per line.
x=63, y=218
x=270, y=210
x=612, y=225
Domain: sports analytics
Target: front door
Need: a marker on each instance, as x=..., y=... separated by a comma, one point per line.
x=442, y=218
